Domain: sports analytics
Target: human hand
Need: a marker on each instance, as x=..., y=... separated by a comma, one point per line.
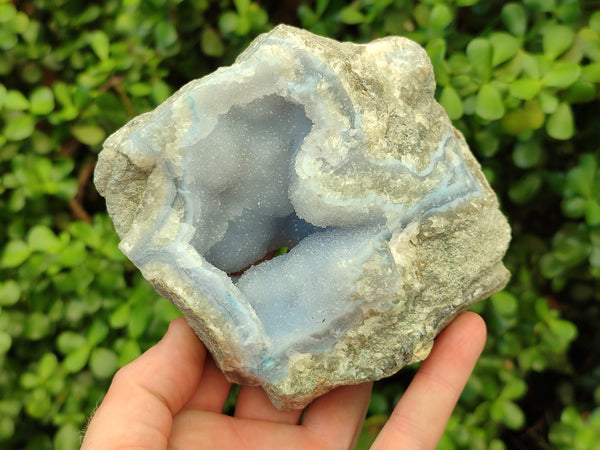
x=172, y=397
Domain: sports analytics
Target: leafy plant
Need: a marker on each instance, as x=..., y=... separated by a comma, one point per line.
x=520, y=79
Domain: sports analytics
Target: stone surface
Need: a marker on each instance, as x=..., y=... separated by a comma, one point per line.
x=337, y=151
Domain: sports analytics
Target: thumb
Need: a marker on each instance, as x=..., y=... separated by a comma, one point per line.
x=144, y=395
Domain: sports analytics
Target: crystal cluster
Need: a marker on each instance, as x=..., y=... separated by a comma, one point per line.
x=337, y=152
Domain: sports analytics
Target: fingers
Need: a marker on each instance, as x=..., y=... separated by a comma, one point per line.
x=160, y=381
x=337, y=417
x=205, y=430
x=212, y=391
x=332, y=421
x=253, y=403
x=420, y=417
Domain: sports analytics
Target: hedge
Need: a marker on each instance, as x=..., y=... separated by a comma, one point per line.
x=521, y=80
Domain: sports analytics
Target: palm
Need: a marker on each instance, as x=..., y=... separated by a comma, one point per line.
x=257, y=424
x=162, y=400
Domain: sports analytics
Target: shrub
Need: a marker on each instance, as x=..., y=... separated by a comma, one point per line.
x=520, y=80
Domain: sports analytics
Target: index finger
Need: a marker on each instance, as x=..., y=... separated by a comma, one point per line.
x=420, y=417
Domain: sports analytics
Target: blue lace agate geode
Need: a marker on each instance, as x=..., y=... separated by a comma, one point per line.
x=340, y=153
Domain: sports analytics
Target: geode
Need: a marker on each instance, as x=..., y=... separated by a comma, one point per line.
x=337, y=152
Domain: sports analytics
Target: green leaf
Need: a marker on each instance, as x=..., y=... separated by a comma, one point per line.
x=164, y=309
x=97, y=332
x=3, y=93
x=570, y=251
x=14, y=254
x=165, y=34
x=73, y=254
x=69, y=341
x=38, y=403
x=47, y=366
x=228, y=22
x=242, y=6
x=523, y=190
x=89, y=15
x=488, y=103
x=570, y=416
x=564, y=330
x=68, y=437
x=321, y=6
x=88, y=134
x=140, y=316
x=505, y=303
x=557, y=39
x=548, y=102
x=211, y=43
x=561, y=125
x=514, y=389
x=37, y=326
x=19, y=23
x=487, y=143
x=42, y=101
x=86, y=233
x=436, y=50
x=480, y=53
x=591, y=49
x=120, y=316
x=7, y=12
x=588, y=164
x=562, y=75
x=76, y=360
x=8, y=39
x=421, y=14
x=351, y=16
x=440, y=17
x=29, y=380
x=160, y=91
x=519, y=120
x=130, y=351
x=591, y=72
x=451, y=102
x=527, y=154
x=568, y=11
x=63, y=93
x=592, y=212
x=595, y=22
x=574, y=207
x=581, y=92
x=525, y=89
x=41, y=238
x=505, y=47
x=15, y=101
x=514, y=17
x=139, y=89
x=5, y=342
x=100, y=44
x=243, y=25
x=103, y=362
x=10, y=292
x=514, y=417
x=282, y=251
x=7, y=427
x=19, y=128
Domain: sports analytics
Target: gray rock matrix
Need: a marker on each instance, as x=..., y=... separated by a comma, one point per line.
x=337, y=151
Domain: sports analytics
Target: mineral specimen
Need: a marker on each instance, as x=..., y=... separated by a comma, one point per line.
x=338, y=152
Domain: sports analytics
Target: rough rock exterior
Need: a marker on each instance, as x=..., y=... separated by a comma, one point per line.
x=337, y=151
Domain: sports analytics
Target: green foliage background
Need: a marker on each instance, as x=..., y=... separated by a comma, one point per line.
x=521, y=80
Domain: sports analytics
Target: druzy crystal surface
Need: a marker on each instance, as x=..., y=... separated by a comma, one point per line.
x=339, y=153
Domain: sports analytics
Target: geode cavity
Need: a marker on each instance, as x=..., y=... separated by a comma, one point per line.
x=338, y=152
